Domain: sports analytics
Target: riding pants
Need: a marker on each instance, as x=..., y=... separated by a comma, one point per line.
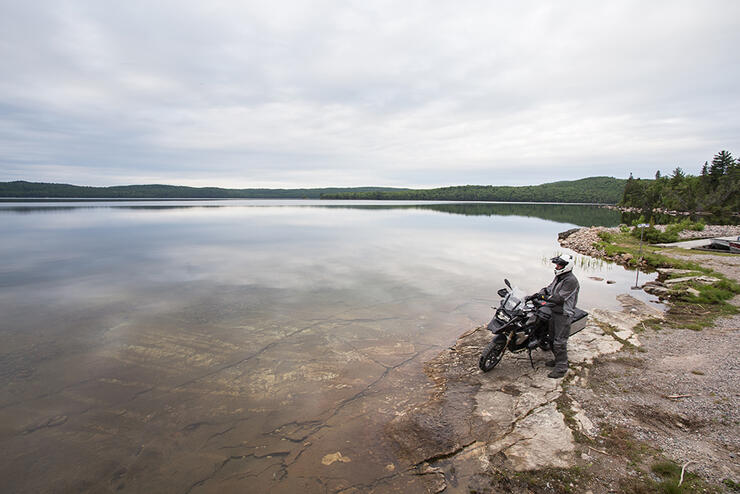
x=559, y=331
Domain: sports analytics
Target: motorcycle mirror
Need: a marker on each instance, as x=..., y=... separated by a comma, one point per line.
x=507, y=282
x=502, y=292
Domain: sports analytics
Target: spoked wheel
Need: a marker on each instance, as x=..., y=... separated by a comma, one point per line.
x=492, y=355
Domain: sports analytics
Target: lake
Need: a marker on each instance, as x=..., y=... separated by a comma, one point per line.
x=246, y=345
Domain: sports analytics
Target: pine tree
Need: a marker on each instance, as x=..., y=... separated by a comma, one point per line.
x=677, y=176
x=705, y=169
x=721, y=163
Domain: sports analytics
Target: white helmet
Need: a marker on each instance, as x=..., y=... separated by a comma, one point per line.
x=563, y=263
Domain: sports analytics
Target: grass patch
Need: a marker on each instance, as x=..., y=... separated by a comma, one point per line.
x=735, y=486
x=558, y=480
x=547, y=480
x=668, y=476
x=564, y=406
x=618, y=441
x=694, y=316
x=612, y=331
x=711, y=301
x=716, y=293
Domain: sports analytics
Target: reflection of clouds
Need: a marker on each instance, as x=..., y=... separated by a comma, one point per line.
x=301, y=249
x=346, y=254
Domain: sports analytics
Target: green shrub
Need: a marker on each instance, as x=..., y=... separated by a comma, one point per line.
x=653, y=236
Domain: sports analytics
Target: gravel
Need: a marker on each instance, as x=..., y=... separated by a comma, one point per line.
x=699, y=369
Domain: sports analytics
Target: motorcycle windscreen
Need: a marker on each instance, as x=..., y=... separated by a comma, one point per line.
x=579, y=320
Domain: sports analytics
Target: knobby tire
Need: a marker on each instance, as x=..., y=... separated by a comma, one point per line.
x=491, y=355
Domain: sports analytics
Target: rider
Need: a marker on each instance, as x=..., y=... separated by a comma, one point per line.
x=562, y=295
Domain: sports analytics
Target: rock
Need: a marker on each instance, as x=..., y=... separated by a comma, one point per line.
x=700, y=279
x=625, y=334
x=657, y=290
x=567, y=233
x=610, y=282
x=540, y=440
x=669, y=271
x=332, y=457
x=693, y=291
x=596, y=278
x=589, y=343
x=471, y=416
x=584, y=423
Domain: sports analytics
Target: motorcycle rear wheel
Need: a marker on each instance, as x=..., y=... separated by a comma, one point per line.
x=491, y=355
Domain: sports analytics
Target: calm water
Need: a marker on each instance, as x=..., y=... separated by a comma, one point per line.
x=191, y=346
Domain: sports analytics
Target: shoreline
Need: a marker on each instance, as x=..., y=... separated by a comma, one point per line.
x=628, y=406
x=669, y=212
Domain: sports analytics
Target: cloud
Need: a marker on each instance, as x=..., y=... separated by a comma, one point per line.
x=358, y=93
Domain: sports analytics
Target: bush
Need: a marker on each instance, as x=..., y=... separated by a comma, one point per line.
x=653, y=236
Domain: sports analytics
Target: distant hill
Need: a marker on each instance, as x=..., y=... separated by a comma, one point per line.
x=42, y=190
x=603, y=190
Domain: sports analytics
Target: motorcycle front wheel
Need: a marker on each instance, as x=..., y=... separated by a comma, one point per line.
x=492, y=354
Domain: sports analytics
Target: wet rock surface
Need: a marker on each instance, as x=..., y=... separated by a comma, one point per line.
x=173, y=409
x=476, y=422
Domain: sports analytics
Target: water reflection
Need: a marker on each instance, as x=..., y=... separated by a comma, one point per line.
x=578, y=214
x=270, y=332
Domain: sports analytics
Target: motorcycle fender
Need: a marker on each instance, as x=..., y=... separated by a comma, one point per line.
x=495, y=325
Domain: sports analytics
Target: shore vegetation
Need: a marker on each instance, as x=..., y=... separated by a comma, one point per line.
x=715, y=190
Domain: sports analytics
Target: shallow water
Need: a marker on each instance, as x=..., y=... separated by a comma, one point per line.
x=201, y=346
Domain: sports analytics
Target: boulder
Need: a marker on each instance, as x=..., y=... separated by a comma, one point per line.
x=567, y=233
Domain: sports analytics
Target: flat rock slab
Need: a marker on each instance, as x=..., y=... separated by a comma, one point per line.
x=508, y=414
x=700, y=279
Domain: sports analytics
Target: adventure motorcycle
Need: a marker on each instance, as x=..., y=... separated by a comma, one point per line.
x=520, y=324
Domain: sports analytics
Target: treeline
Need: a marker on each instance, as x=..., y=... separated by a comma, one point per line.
x=603, y=190
x=715, y=190
x=561, y=213
x=40, y=189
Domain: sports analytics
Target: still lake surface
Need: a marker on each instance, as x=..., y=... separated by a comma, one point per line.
x=192, y=346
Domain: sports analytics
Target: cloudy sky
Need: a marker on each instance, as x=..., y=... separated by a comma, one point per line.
x=349, y=93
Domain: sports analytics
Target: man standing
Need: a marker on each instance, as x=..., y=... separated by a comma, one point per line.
x=562, y=294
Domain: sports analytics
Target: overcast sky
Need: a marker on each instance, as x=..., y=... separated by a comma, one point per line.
x=350, y=93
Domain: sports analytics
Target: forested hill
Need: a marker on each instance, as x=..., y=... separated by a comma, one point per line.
x=39, y=189
x=604, y=190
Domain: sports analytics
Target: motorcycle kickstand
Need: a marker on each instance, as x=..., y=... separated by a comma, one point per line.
x=530, y=357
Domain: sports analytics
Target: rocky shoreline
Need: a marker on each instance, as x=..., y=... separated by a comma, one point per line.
x=669, y=212
x=630, y=401
x=477, y=425
x=582, y=240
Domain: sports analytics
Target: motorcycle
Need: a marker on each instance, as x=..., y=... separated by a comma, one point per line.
x=520, y=324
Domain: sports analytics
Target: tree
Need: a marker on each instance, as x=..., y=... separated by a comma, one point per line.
x=677, y=176
x=721, y=163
